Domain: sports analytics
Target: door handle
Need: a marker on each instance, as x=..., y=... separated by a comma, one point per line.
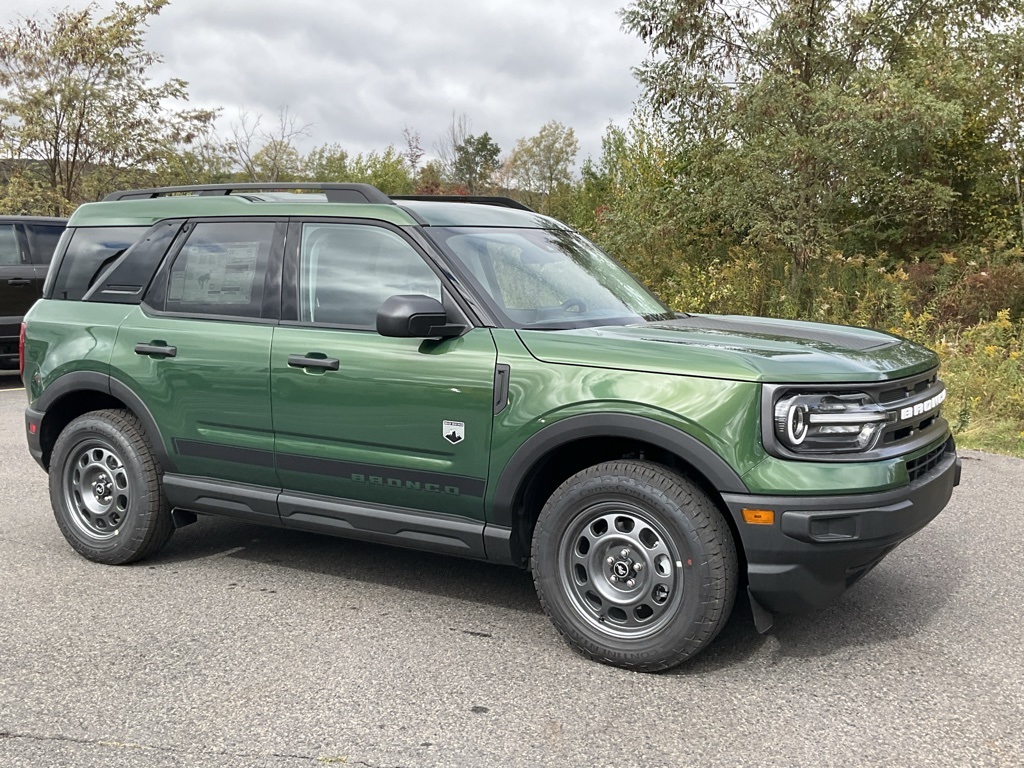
x=156, y=349
x=19, y=281
x=307, y=361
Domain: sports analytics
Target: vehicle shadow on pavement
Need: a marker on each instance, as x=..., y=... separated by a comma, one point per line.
x=352, y=560
x=890, y=604
x=895, y=601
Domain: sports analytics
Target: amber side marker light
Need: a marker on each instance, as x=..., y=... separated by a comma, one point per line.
x=759, y=516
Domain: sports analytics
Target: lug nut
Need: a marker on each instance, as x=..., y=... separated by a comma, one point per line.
x=638, y=566
x=624, y=553
x=613, y=579
x=610, y=560
x=631, y=583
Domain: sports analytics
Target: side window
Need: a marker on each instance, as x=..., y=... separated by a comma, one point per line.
x=90, y=251
x=221, y=269
x=10, y=250
x=44, y=241
x=347, y=271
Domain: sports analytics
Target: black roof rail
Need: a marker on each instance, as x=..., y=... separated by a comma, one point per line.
x=336, y=193
x=503, y=202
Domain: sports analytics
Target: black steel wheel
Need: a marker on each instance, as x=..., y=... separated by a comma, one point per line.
x=634, y=564
x=105, y=489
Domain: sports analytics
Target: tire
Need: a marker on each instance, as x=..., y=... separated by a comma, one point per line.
x=106, y=489
x=634, y=565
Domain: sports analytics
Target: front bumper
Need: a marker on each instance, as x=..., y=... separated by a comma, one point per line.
x=820, y=545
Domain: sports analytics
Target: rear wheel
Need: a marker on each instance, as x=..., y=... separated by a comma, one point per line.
x=106, y=491
x=634, y=564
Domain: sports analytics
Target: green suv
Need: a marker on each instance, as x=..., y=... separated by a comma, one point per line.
x=466, y=376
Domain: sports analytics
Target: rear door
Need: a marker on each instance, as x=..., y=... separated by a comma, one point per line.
x=393, y=422
x=197, y=351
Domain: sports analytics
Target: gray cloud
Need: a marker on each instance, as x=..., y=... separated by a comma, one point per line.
x=360, y=72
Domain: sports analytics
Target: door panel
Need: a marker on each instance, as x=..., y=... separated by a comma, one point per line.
x=374, y=430
x=211, y=398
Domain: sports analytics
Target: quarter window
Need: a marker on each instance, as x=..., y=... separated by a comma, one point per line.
x=348, y=270
x=221, y=269
x=90, y=252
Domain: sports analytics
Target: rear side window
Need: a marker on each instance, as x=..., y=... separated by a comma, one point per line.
x=221, y=270
x=90, y=251
x=10, y=249
x=43, y=238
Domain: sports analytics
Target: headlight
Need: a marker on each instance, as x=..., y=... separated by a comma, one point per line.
x=829, y=423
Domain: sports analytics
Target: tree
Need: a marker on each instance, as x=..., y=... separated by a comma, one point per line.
x=543, y=163
x=78, y=111
x=206, y=160
x=268, y=154
x=476, y=158
x=447, y=148
x=811, y=126
x=413, y=149
x=327, y=162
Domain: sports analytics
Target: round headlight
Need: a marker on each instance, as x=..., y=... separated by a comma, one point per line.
x=797, y=422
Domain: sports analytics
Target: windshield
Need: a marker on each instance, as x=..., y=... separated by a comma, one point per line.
x=549, y=279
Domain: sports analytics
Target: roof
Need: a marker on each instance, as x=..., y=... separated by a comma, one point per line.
x=122, y=209
x=15, y=219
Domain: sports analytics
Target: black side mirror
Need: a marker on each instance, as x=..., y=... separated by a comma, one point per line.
x=415, y=317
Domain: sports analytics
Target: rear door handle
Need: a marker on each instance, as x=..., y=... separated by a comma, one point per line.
x=19, y=281
x=305, y=361
x=156, y=350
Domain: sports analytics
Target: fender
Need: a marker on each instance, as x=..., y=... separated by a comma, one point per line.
x=708, y=463
x=77, y=381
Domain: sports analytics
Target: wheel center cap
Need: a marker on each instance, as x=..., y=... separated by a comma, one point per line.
x=101, y=488
x=621, y=569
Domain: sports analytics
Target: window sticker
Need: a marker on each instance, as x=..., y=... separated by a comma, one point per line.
x=216, y=273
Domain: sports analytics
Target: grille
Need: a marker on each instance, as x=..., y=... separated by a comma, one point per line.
x=922, y=465
x=915, y=431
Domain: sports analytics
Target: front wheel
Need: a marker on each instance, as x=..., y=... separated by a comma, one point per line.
x=106, y=491
x=634, y=564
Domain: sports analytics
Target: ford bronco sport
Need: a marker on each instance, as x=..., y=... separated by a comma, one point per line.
x=469, y=377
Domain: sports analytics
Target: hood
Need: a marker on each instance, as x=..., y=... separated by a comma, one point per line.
x=737, y=348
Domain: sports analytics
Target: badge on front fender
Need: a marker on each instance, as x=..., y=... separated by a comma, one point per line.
x=453, y=431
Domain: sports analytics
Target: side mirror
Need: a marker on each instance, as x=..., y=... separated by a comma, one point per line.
x=415, y=317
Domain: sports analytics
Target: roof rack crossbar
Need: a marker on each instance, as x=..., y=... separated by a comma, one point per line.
x=502, y=202
x=335, y=192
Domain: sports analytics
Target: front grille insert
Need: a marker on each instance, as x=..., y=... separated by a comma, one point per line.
x=922, y=465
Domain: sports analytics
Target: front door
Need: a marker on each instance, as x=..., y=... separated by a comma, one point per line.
x=385, y=422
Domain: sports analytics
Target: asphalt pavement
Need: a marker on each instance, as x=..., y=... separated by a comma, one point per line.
x=248, y=646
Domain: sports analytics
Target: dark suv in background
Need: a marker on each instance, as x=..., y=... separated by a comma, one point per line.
x=26, y=245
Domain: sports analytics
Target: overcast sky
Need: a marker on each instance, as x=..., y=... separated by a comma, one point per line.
x=358, y=72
